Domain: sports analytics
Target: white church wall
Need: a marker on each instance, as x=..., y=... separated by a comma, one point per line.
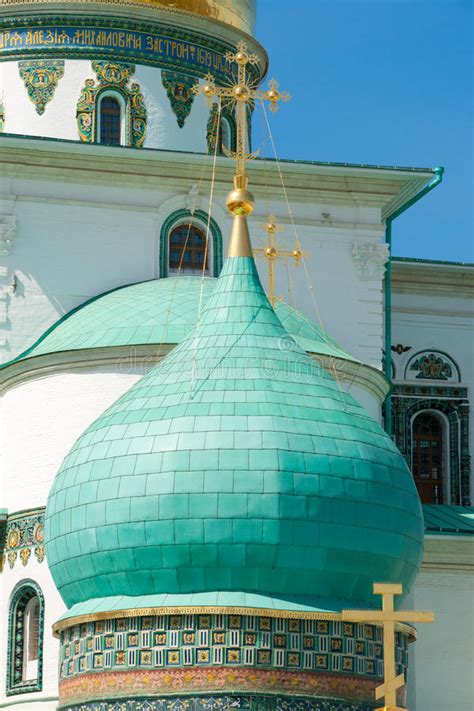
x=442, y=659
x=59, y=117
x=41, y=420
x=74, y=242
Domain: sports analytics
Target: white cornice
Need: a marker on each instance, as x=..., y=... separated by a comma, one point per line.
x=432, y=278
x=150, y=170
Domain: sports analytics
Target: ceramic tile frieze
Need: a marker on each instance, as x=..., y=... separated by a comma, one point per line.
x=24, y=538
x=161, y=653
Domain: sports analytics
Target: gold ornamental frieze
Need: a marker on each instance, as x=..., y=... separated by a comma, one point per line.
x=22, y=538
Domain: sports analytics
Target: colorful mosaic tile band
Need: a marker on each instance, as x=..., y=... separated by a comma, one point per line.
x=208, y=703
x=24, y=536
x=161, y=682
x=210, y=652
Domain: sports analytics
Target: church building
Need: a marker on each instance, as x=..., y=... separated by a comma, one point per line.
x=226, y=410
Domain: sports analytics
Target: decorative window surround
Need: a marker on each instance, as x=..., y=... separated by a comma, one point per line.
x=453, y=403
x=370, y=259
x=41, y=77
x=112, y=76
x=21, y=596
x=202, y=220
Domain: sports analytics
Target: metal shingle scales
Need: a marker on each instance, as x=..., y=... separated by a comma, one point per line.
x=158, y=311
x=235, y=466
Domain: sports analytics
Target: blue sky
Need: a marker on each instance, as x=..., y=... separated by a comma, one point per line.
x=386, y=82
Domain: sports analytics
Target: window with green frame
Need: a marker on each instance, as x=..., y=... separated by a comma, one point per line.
x=25, y=639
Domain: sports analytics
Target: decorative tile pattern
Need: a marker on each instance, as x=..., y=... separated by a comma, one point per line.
x=120, y=39
x=208, y=703
x=159, y=683
x=433, y=365
x=179, y=90
x=41, y=77
x=24, y=537
x=21, y=596
x=210, y=641
x=115, y=76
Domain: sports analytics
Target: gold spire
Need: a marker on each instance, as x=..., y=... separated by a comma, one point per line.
x=240, y=201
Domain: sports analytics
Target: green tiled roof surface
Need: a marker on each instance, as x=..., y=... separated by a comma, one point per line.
x=157, y=311
x=236, y=465
x=444, y=519
x=208, y=599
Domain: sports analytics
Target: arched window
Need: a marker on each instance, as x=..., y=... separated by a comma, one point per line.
x=110, y=120
x=187, y=249
x=31, y=646
x=427, y=458
x=173, y=233
x=25, y=639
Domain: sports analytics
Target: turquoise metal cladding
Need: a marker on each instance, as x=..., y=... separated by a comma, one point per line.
x=235, y=465
x=154, y=312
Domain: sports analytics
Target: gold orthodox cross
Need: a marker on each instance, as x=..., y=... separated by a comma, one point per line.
x=388, y=616
x=243, y=93
x=271, y=252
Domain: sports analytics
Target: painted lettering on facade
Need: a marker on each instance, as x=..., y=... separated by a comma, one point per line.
x=153, y=48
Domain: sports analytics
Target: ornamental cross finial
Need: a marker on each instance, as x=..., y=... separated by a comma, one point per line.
x=272, y=253
x=388, y=616
x=243, y=93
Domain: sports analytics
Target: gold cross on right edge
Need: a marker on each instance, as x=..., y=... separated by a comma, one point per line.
x=388, y=616
x=272, y=252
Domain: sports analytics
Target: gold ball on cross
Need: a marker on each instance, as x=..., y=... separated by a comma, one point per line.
x=241, y=92
x=209, y=90
x=273, y=95
x=241, y=58
x=270, y=251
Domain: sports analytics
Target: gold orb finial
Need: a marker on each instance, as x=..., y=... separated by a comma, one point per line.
x=240, y=201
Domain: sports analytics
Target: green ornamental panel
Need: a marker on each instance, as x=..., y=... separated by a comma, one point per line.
x=235, y=465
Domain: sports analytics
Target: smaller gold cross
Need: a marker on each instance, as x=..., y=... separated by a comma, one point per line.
x=271, y=252
x=242, y=93
x=388, y=616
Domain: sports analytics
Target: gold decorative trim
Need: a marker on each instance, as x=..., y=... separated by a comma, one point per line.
x=215, y=610
x=239, y=14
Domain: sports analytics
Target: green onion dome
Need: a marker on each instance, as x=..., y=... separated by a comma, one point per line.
x=236, y=467
x=159, y=311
